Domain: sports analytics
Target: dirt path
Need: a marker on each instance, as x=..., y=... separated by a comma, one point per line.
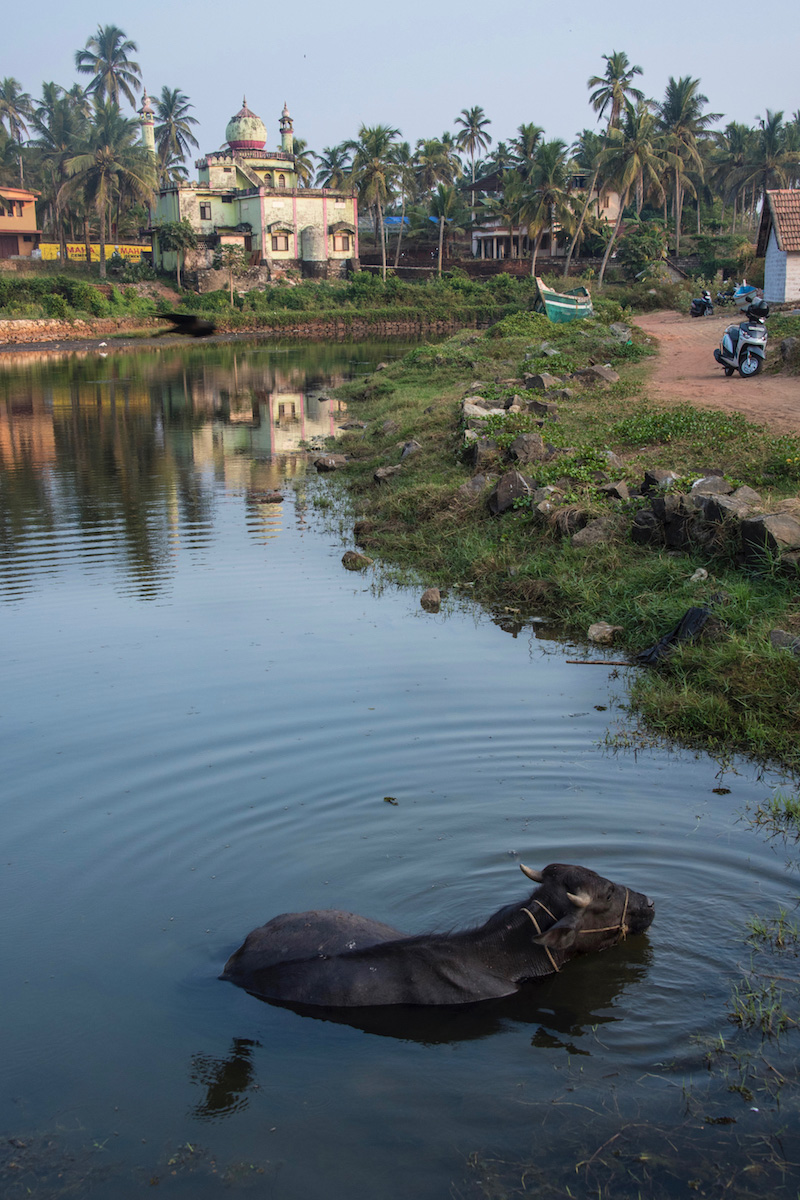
x=686, y=370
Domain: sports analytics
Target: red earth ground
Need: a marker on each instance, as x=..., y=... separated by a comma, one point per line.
x=685, y=370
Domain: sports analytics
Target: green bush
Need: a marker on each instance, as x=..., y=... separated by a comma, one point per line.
x=55, y=305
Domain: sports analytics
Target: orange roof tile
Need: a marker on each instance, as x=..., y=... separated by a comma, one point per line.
x=784, y=205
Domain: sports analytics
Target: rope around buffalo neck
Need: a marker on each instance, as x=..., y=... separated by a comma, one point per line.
x=622, y=926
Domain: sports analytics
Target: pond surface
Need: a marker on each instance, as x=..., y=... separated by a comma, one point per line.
x=202, y=717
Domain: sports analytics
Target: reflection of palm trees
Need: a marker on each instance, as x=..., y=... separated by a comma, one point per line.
x=226, y=1080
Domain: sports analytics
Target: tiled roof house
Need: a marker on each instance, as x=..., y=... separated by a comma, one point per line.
x=779, y=243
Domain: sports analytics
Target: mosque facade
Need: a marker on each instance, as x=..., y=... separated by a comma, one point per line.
x=250, y=197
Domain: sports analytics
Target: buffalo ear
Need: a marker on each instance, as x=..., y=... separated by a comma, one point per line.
x=559, y=936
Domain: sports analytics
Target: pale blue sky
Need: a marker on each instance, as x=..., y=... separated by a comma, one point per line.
x=416, y=64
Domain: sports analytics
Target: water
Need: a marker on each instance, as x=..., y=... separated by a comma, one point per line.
x=202, y=714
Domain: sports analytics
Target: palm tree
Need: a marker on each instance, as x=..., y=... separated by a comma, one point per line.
x=407, y=181
x=524, y=147
x=105, y=56
x=111, y=163
x=334, y=167
x=15, y=109
x=731, y=153
x=546, y=203
x=772, y=163
x=374, y=172
x=446, y=207
x=59, y=123
x=611, y=91
x=682, y=119
x=174, y=137
x=303, y=162
x=473, y=136
x=434, y=163
x=635, y=159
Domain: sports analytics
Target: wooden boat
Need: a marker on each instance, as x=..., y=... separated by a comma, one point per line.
x=564, y=306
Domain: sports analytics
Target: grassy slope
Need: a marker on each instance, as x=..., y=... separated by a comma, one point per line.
x=730, y=693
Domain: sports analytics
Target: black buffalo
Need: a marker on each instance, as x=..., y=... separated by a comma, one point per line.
x=336, y=959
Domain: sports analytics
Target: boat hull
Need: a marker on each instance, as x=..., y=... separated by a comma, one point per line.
x=565, y=306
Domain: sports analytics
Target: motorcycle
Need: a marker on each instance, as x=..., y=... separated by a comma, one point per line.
x=744, y=346
x=702, y=306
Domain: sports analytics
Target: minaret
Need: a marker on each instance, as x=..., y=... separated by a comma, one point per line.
x=148, y=124
x=287, y=131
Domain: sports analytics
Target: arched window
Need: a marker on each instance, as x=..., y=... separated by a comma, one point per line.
x=281, y=181
x=268, y=179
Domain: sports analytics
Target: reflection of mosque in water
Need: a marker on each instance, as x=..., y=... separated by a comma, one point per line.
x=148, y=439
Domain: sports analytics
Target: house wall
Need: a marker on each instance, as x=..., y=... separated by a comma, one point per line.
x=18, y=219
x=775, y=272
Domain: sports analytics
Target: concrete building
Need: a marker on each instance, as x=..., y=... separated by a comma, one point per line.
x=19, y=235
x=779, y=244
x=251, y=197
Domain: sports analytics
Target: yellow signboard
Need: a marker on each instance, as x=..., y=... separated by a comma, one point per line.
x=76, y=251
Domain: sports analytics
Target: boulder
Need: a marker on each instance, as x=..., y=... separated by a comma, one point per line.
x=384, y=473
x=747, y=495
x=789, y=348
x=594, y=533
x=353, y=561
x=712, y=485
x=772, y=533
x=615, y=491
x=781, y=640
x=602, y=633
x=542, y=408
x=410, y=448
x=528, y=447
x=479, y=451
x=509, y=488
x=646, y=529
x=656, y=480
x=330, y=462
x=431, y=599
x=541, y=383
x=597, y=374
x=474, y=487
x=620, y=331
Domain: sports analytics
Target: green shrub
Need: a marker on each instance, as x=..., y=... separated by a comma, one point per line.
x=55, y=306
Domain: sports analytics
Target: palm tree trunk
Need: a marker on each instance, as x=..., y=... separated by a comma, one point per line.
x=610, y=246
x=383, y=241
x=102, y=215
x=536, y=244
x=400, y=234
x=584, y=211
x=441, y=241
x=677, y=207
x=87, y=240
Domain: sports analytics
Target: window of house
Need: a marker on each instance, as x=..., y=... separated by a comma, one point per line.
x=227, y=170
x=280, y=241
x=281, y=181
x=227, y=199
x=205, y=212
x=268, y=179
x=341, y=241
x=26, y=237
x=606, y=202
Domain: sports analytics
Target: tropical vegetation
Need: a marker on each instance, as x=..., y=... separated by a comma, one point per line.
x=671, y=161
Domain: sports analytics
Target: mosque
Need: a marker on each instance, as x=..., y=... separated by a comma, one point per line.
x=250, y=197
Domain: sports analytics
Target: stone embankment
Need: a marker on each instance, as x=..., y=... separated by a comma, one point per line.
x=23, y=330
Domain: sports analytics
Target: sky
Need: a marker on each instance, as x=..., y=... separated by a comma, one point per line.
x=415, y=65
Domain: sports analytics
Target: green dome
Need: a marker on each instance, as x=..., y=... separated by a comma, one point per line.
x=246, y=131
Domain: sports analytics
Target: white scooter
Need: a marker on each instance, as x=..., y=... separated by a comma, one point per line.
x=744, y=346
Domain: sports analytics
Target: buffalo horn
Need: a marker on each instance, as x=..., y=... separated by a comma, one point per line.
x=580, y=899
x=536, y=876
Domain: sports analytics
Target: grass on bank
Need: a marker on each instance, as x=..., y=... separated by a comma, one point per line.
x=729, y=693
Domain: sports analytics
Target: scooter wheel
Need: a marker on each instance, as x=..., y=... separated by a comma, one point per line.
x=729, y=371
x=750, y=365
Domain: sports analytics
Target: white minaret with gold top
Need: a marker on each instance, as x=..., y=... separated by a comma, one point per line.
x=148, y=124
